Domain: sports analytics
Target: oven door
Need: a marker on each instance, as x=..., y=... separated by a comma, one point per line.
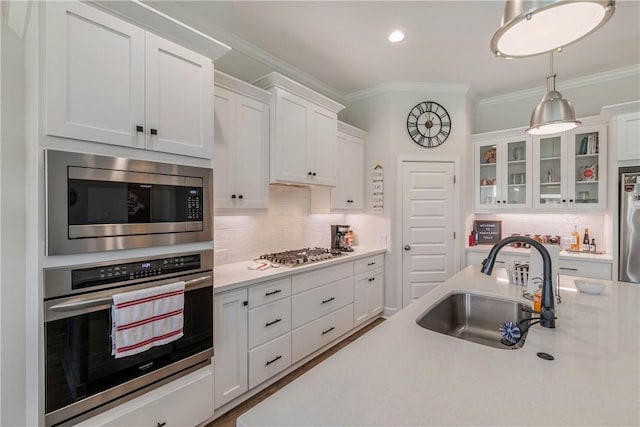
x=80, y=372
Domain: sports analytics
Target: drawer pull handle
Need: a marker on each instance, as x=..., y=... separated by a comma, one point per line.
x=162, y=424
x=328, y=300
x=371, y=263
x=272, y=323
x=272, y=292
x=567, y=268
x=499, y=262
x=269, y=362
x=328, y=330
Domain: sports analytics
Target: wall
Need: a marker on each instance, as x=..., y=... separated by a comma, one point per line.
x=383, y=115
x=286, y=224
x=588, y=95
x=12, y=223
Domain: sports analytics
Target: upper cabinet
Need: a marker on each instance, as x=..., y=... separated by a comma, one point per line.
x=348, y=192
x=562, y=172
x=570, y=170
x=303, y=133
x=241, y=144
x=628, y=136
x=109, y=81
x=503, y=174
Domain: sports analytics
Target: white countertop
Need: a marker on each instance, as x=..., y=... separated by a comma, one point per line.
x=235, y=275
x=576, y=256
x=402, y=374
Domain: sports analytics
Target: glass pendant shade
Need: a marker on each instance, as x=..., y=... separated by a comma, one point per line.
x=533, y=27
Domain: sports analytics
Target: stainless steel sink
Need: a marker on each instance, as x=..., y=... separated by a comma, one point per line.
x=475, y=318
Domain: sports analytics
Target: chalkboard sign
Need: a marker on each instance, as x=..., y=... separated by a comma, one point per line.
x=489, y=232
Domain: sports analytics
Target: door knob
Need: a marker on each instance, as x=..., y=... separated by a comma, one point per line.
x=407, y=247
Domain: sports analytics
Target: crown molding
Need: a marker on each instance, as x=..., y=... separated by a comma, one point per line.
x=351, y=130
x=619, y=73
x=397, y=86
x=236, y=85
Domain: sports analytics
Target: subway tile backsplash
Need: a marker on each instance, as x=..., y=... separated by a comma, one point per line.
x=286, y=224
x=553, y=224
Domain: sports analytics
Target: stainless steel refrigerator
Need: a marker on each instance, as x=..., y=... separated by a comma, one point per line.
x=629, y=252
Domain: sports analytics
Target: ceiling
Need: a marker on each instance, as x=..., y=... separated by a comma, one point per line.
x=340, y=47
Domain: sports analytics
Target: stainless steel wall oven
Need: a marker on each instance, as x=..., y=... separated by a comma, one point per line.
x=99, y=203
x=82, y=378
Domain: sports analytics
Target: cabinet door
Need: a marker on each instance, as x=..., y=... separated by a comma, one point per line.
x=550, y=172
x=179, y=99
x=587, y=168
x=627, y=136
x=289, y=150
x=487, y=175
x=230, y=344
x=369, y=295
x=322, y=146
x=252, y=153
x=224, y=158
x=94, y=75
x=348, y=192
x=516, y=174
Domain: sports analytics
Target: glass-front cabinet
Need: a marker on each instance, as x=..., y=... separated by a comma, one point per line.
x=570, y=170
x=502, y=174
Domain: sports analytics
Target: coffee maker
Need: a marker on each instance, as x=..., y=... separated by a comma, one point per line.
x=338, y=238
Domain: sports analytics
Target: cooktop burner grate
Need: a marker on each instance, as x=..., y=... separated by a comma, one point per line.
x=301, y=256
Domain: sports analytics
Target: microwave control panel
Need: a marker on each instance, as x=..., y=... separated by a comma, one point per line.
x=122, y=272
x=194, y=204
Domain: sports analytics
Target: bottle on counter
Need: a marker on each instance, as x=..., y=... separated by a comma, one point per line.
x=472, y=239
x=592, y=246
x=575, y=239
x=476, y=237
x=585, y=241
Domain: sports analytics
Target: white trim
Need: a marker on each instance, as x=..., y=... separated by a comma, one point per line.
x=620, y=73
x=398, y=86
x=627, y=107
x=163, y=25
x=236, y=85
x=351, y=130
x=403, y=299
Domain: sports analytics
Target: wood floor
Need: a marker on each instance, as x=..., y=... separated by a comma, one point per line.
x=229, y=419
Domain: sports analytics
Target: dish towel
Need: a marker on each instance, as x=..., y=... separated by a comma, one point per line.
x=145, y=318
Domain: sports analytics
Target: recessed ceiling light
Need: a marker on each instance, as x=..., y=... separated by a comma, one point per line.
x=396, y=36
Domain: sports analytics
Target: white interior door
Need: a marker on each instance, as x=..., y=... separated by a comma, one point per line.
x=428, y=225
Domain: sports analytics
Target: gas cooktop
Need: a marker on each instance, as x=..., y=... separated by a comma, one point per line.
x=301, y=256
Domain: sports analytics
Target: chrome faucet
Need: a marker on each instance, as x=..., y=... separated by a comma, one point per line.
x=547, y=308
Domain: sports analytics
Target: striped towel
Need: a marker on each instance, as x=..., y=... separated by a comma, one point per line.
x=145, y=318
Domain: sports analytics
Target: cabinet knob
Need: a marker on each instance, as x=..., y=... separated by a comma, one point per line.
x=240, y=196
x=314, y=174
x=564, y=200
x=139, y=128
x=233, y=196
x=162, y=424
x=504, y=201
x=570, y=200
x=153, y=131
x=309, y=173
x=497, y=201
x=407, y=247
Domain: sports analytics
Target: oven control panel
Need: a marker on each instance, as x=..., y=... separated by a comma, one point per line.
x=194, y=204
x=122, y=272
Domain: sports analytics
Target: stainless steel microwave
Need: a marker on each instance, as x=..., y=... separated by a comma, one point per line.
x=98, y=203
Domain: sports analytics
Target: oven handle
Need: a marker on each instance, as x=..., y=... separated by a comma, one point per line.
x=77, y=305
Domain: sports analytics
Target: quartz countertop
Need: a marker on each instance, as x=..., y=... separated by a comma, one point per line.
x=402, y=374
x=566, y=255
x=238, y=274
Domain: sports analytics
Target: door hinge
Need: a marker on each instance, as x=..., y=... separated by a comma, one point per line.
x=454, y=179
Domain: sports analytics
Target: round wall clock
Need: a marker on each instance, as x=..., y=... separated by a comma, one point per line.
x=428, y=124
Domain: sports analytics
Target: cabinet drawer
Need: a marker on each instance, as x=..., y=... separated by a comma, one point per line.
x=269, y=291
x=269, y=321
x=269, y=359
x=185, y=401
x=305, y=281
x=313, y=335
x=320, y=301
x=593, y=270
x=368, y=264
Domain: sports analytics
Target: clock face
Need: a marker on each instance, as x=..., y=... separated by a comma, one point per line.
x=428, y=124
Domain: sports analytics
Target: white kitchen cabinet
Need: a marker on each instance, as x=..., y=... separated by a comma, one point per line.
x=570, y=170
x=303, y=133
x=503, y=174
x=187, y=401
x=628, y=136
x=348, y=192
x=230, y=345
x=111, y=82
x=368, y=296
x=241, y=144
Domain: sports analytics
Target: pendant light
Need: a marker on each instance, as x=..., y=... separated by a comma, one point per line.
x=533, y=27
x=553, y=113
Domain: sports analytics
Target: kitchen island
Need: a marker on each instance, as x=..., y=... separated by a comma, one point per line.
x=402, y=374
